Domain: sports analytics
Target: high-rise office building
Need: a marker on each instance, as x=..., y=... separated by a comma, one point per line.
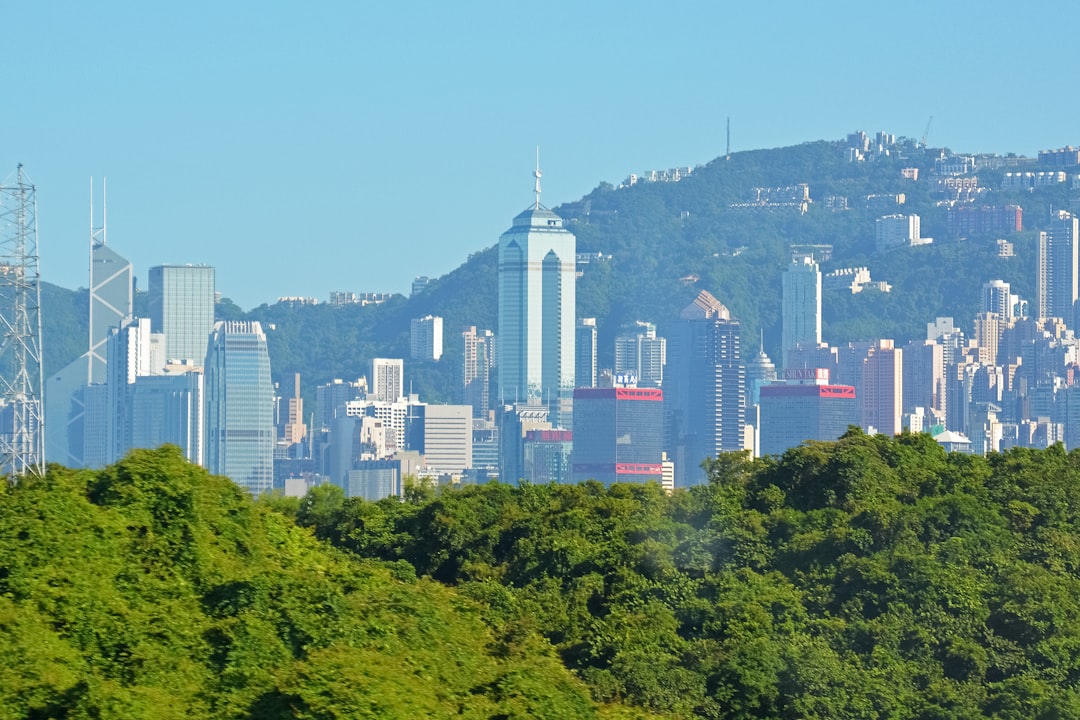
x=619, y=435
x=239, y=408
x=132, y=352
x=515, y=421
x=444, y=437
x=585, y=352
x=924, y=377
x=169, y=409
x=801, y=306
x=547, y=456
x=883, y=388
x=426, y=338
x=704, y=388
x=793, y=413
x=111, y=302
x=639, y=352
x=1056, y=278
x=387, y=379
x=537, y=277
x=181, y=303
x=477, y=360
x=330, y=400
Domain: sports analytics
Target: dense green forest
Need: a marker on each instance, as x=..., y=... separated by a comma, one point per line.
x=867, y=578
x=152, y=590
x=871, y=577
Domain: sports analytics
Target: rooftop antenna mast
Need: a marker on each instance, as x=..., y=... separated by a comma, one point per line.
x=536, y=173
x=22, y=424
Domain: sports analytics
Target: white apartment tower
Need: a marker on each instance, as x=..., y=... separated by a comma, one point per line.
x=537, y=303
x=896, y=230
x=387, y=379
x=997, y=298
x=426, y=338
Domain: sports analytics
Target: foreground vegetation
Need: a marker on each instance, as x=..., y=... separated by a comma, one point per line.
x=151, y=590
x=868, y=578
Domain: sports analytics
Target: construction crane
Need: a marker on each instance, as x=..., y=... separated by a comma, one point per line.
x=926, y=132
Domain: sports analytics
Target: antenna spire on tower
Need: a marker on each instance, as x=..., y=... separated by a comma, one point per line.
x=537, y=174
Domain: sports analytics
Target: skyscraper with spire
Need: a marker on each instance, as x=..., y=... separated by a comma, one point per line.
x=537, y=307
x=111, y=303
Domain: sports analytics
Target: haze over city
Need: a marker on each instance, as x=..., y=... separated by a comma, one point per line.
x=298, y=151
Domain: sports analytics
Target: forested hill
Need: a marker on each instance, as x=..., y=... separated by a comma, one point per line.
x=667, y=240
x=151, y=590
x=872, y=577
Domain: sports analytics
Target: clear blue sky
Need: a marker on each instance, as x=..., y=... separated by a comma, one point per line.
x=304, y=148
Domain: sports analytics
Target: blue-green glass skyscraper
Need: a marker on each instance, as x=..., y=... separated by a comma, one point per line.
x=239, y=406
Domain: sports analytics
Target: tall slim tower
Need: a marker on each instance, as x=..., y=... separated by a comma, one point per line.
x=883, y=388
x=537, y=276
x=1056, y=282
x=585, y=353
x=22, y=424
x=111, y=304
x=111, y=290
x=801, y=308
x=997, y=298
x=239, y=414
x=476, y=363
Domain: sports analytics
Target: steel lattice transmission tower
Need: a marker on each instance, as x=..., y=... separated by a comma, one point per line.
x=22, y=426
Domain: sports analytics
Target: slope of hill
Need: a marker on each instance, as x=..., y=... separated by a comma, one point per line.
x=667, y=240
x=152, y=590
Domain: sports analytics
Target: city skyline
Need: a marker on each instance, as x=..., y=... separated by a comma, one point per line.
x=199, y=116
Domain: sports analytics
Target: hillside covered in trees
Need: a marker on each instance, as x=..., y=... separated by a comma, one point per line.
x=151, y=590
x=871, y=577
x=664, y=241
x=867, y=578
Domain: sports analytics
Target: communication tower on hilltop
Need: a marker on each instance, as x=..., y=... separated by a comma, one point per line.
x=22, y=425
